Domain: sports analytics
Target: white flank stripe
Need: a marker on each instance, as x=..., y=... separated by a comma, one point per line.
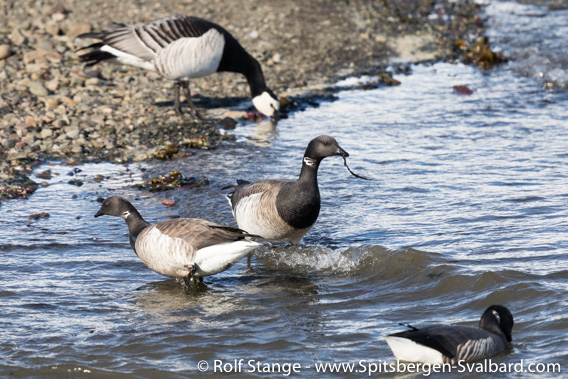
x=128, y=59
x=214, y=259
x=165, y=255
x=247, y=218
x=410, y=351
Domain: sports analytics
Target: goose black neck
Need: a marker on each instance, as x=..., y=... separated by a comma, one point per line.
x=309, y=172
x=136, y=224
x=237, y=59
x=255, y=77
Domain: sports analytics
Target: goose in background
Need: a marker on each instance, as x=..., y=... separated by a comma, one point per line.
x=454, y=343
x=181, y=48
x=284, y=210
x=181, y=248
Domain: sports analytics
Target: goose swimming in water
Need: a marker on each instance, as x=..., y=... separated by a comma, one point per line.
x=454, y=343
x=284, y=210
x=181, y=248
x=179, y=49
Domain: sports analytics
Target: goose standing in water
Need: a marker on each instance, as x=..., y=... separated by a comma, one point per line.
x=181, y=248
x=181, y=48
x=454, y=343
x=284, y=210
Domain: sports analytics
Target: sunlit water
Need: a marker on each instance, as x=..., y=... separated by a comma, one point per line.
x=468, y=207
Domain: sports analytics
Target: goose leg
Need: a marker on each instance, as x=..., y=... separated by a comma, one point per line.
x=192, y=107
x=192, y=283
x=177, y=105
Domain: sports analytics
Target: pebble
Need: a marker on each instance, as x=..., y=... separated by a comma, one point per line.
x=75, y=29
x=17, y=37
x=45, y=133
x=5, y=51
x=37, y=89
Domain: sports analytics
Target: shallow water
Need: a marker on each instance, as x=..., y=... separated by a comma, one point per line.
x=467, y=208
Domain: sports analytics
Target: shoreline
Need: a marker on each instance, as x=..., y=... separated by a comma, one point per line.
x=52, y=108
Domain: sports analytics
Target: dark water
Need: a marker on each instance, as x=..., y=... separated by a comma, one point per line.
x=468, y=207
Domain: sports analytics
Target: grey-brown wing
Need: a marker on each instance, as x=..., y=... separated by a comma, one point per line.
x=145, y=40
x=269, y=189
x=200, y=233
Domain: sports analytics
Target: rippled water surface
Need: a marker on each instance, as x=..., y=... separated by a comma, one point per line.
x=468, y=207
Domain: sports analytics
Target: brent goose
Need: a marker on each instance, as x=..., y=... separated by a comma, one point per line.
x=453, y=343
x=284, y=210
x=181, y=48
x=181, y=248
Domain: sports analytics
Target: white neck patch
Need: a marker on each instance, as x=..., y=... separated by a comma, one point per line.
x=266, y=104
x=310, y=161
x=496, y=314
x=125, y=215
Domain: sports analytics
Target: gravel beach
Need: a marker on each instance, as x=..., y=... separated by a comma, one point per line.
x=52, y=107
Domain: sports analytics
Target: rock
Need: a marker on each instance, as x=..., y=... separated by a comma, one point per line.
x=72, y=132
x=53, y=28
x=5, y=51
x=52, y=102
x=29, y=138
x=45, y=133
x=76, y=29
x=58, y=17
x=463, y=90
x=92, y=82
x=16, y=156
x=54, y=57
x=228, y=123
x=33, y=55
x=18, y=37
x=34, y=68
x=76, y=182
x=46, y=175
x=37, y=216
x=381, y=38
x=37, y=89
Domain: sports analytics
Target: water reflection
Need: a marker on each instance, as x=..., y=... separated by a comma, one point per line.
x=263, y=134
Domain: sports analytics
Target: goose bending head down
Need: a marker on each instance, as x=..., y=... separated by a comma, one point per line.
x=284, y=210
x=179, y=49
x=453, y=343
x=181, y=248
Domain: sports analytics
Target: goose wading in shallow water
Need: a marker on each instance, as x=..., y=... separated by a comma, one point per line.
x=454, y=343
x=181, y=48
x=182, y=248
x=284, y=210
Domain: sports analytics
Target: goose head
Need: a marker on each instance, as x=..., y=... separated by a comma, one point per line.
x=322, y=147
x=116, y=206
